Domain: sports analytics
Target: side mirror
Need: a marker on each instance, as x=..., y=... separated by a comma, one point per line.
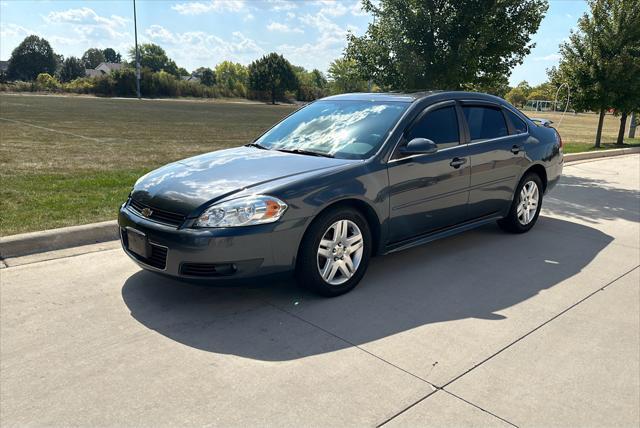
x=419, y=146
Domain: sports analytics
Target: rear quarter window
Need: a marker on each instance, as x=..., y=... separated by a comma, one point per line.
x=519, y=126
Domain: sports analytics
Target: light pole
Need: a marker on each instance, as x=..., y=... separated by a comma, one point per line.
x=135, y=29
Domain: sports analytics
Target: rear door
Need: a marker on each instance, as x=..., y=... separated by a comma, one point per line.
x=496, y=151
x=430, y=191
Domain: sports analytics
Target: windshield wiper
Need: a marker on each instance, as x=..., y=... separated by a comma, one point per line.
x=306, y=152
x=258, y=145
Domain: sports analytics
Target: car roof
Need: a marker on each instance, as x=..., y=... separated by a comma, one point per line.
x=410, y=97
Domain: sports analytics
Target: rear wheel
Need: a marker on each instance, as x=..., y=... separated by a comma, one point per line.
x=526, y=205
x=334, y=253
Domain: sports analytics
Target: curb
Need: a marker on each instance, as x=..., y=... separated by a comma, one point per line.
x=572, y=157
x=56, y=239
x=74, y=236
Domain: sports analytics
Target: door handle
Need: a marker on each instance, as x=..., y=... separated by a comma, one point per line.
x=516, y=149
x=457, y=162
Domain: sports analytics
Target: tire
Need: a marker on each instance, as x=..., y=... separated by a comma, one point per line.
x=336, y=250
x=522, y=218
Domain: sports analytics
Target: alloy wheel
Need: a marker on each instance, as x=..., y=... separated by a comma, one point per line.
x=340, y=252
x=528, y=204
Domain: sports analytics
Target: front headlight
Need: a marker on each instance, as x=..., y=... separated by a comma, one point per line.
x=246, y=211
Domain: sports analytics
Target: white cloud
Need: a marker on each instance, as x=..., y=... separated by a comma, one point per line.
x=328, y=45
x=248, y=17
x=198, y=8
x=356, y=9
x=86, y=23
x=332, y=8
x=283, y=28
x=14, y=30
x=192, y=49
x=282, y=5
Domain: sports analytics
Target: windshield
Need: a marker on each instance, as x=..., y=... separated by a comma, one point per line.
x=341, y=129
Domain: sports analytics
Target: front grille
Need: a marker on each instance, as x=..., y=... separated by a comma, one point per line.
x=161, y=216
x=207, y=269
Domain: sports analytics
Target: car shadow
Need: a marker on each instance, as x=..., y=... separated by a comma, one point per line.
x=472, y=275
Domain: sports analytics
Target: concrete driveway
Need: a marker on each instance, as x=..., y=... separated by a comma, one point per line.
x=484, y=328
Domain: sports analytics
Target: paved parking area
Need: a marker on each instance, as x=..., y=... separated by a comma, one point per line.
x=481, y=329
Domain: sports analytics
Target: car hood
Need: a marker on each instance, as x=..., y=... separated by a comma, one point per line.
x=183, y=186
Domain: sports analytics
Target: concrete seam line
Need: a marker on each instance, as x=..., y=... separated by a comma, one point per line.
x=530, y=332
x=350, y=343
x=412, y=405
x=56, y=239
x=478, y=407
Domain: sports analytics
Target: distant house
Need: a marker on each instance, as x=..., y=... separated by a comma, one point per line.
x=191, y=78
x=103, y=69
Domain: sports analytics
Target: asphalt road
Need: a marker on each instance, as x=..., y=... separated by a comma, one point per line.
x=484, y=328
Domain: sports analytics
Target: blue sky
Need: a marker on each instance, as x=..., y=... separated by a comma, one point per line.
x=205, y=32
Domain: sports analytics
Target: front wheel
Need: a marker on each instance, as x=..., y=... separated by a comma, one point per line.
x=526, y=205
x=334, y=253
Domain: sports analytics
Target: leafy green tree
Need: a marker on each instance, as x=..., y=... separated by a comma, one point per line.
x=344, y=76
x=30, y=58
x=444, y=44
x=232, y=78
x=600, y=62
x=517, y=96
x=154, y=58
x=72, y=68
x=93, y=57
x=183, y=71
x=311, y=84
x=273, y=74
x=206, y=75
x=110, y=55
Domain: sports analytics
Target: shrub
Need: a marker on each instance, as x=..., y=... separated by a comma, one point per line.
x=81, y=85
x=125, y=82
x=46, y=82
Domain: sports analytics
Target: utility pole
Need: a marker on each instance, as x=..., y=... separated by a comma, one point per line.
x=135, y=29
x=634, y=123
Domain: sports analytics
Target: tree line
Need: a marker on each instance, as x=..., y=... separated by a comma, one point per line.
x=410, y=45
x=35, y=66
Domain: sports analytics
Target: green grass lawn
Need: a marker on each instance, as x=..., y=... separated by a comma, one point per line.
x=72, y=160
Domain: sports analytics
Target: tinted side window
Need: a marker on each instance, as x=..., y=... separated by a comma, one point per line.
x=518, y=124
x=485, y=123
x=440, y=126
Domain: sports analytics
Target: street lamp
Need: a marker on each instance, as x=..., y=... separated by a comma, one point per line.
x=135, y=29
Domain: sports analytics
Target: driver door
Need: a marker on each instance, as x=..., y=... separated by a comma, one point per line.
x=430, y=191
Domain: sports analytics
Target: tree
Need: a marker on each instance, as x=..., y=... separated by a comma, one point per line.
x=206, y=75
x=273, y=74
x=345, y=77
x=92, y=58
x=72, y=68
x=232, y=78
x=444, y=44
x=154, y=58
x=311, y=84
x=110, y=55
x=517, y=96
x=30, y=58
x=600, y=62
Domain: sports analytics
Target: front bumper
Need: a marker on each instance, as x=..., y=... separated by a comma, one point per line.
x=222, y=253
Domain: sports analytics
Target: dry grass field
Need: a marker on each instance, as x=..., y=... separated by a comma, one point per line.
x=73, y=160
x=578, y=131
